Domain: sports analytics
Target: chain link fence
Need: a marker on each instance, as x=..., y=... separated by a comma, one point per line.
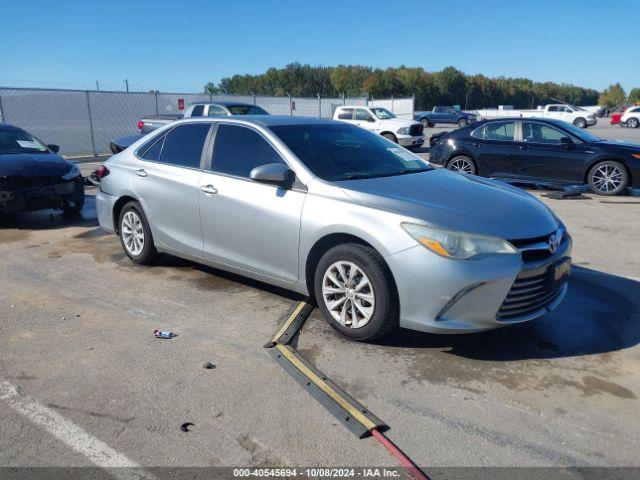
x=83, y=122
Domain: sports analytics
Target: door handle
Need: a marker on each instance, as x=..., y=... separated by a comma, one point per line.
x=208, y=189
x=141, y=172
x=524, y=147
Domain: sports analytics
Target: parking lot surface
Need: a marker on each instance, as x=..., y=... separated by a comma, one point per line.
x=77, y=321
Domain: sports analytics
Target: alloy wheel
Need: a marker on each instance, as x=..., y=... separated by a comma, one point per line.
x=461, y=165
x=348, y=294
x=607, y=178
x=633, y=122
x=132, y=233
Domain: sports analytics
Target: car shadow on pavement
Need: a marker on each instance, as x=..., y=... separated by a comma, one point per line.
x=601, y=313
x=52, y=219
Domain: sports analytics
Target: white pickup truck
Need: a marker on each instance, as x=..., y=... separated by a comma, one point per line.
x=579, y=117
x=407, y=133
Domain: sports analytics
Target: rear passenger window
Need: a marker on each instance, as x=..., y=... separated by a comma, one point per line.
x=499, y=131
x=198, y=111
x=183, y=145
x=238, y=150
x=346, y=114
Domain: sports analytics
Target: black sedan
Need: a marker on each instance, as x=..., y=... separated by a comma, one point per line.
x=34, y=177
x=539, y=151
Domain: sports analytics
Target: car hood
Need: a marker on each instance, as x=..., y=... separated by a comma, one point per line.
x=398, y=122
x=620, y=144
x=33, y=165
x=457, y=202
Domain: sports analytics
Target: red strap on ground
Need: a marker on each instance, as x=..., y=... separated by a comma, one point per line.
x=396, y=452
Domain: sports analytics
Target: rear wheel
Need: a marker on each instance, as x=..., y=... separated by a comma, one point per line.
x=633, y=122
x=390, y=136
x=426, y=123
x=462, y=164
x=580, y=122
x=608, y=178
x=355, y=292
x=135, y=235
x=463, y=122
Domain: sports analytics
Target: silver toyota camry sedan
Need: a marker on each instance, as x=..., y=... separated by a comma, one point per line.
x=368, y=229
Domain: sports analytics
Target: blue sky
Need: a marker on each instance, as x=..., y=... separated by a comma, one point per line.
x=179, y=46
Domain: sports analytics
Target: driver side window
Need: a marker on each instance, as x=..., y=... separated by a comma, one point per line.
x=538, y=133
x=237, y=150
x=363, y=115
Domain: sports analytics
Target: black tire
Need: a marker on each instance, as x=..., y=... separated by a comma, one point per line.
x=462, y=161
x=148, y=253
x=390, y=136
x=72, y=204
x=617, y=173
x=580, y=122
x=463, y=122
x=426, y=123
x=633, y=122
x=386, y=311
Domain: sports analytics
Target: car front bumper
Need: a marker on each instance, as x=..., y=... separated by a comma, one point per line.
x=440, y=295
x=38, y=197
x=592, y=121
x=409, y=141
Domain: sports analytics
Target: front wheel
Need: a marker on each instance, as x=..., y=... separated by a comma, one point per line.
x=608, y=178
x=390, y=136
x=426, y=123
x=462, y=164
x=580, y=122
x=463, y=122
x=633, y=122
x=355, y=291
x=135, y=235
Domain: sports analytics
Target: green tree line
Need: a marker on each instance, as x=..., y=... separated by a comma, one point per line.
x=447, y=87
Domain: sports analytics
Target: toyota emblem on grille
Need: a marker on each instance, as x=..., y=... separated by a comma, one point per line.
x=554, y=242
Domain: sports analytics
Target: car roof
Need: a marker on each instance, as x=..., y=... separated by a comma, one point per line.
x=226, y=104
x=10, y=128
x=550, y=121
x=267, y=120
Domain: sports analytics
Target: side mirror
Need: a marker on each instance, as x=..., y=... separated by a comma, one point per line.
x=274, y=174
x=566, y=142
x=53, y=148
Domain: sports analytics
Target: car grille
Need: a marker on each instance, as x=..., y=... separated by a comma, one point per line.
x=534, y=249
x=527, y=296
x=416, y=130
x=15, y=182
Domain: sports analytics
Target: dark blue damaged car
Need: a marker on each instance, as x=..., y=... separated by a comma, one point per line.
x=34, y=177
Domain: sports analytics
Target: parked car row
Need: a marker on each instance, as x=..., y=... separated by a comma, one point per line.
x=338, y=211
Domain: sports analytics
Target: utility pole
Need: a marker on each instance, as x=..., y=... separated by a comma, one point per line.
x=97, y=86
x=126, y=82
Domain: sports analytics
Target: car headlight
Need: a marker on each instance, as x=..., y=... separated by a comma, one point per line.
x=403, y=131
x=73, y=173
x=459, y=245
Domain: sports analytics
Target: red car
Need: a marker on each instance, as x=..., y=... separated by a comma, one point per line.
x=615, y=116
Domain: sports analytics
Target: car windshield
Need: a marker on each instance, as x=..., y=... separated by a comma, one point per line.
x=19, y=141
x=581, y=133
x=346, y=152
x=246, y=110
x=382, y=113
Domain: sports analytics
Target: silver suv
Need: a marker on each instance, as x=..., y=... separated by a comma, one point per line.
x=375, y=234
